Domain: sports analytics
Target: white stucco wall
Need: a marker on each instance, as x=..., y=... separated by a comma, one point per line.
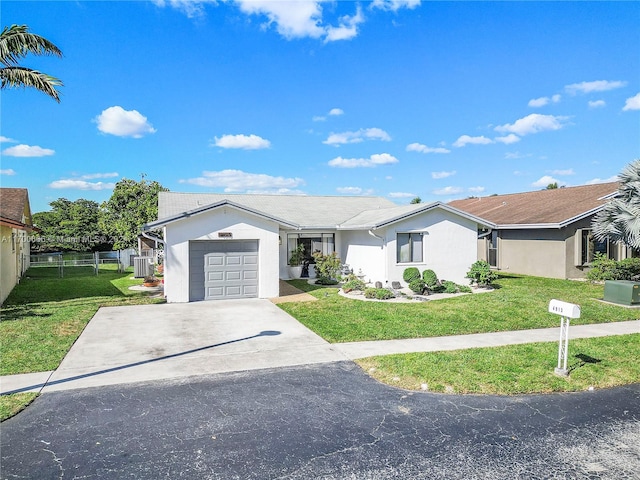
x=206, y=226
x=449, y=248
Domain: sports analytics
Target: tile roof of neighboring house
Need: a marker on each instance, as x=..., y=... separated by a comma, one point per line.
x=13, y=204
x=557, y=207
x=296, y=211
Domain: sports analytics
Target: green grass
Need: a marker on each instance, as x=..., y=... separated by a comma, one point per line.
x=44, y=315
x=518, y=303
x=593, y=362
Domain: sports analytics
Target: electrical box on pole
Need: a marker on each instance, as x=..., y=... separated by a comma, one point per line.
x=566, y=311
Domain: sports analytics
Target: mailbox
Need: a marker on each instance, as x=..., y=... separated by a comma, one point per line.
x=564, y=309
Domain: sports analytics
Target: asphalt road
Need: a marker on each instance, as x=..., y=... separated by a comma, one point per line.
x=327, y=421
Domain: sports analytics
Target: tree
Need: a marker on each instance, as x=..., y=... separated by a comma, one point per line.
x=131, y=205
x=619, y=220
x=552, y=186
x=416, y=200
x=69, y=226
x=15, y=43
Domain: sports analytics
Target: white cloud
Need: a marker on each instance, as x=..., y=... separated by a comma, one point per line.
x=239, y=181
x=123, y=123
x=602, y=180
x=191, y=8
x=632, y=103
x=438, y=175
x=418, y=147
x=77, y=184
x=448, y=191
x=546, y=180
x=402, y=195
x=27, y=151
x=568, y=171
x=476, y=189
x=509, y=139
x=533, y=123
x=372, y=161
x=466, y=140
x=542, y=101
x=597, y=103
x=357, y=137
x=245, y=142
x=4, y=139
x=353, y=191
x=334, y=112
x=347, y=29
x=92, y=176
x=596, y=86
x=394, y=5
x=8, y=171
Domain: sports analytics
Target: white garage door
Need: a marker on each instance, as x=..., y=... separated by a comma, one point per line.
x=223, y=270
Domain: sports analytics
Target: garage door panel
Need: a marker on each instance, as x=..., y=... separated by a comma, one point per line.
x=223, y=269
x=233, y=276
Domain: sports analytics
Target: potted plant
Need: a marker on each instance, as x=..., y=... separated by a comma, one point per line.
x=295, y=261
x=150, y=281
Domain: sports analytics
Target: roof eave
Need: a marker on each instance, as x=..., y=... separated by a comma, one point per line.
x=206, y=208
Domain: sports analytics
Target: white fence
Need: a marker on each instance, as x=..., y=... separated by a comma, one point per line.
x=74, y=259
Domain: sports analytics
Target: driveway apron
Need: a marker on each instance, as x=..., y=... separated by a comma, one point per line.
x=150, y=342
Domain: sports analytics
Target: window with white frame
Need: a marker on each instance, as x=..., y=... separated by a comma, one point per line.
x=409, y=247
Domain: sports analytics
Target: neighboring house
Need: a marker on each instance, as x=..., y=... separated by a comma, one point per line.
x=233, y=246
x=545, y=233
x=15, y=225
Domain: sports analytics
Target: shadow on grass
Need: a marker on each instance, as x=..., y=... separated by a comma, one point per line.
x=20, y=312
x=582, y=361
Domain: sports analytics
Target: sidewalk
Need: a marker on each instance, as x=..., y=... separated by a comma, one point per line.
x=36, y=382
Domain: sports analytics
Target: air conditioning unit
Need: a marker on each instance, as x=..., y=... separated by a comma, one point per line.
x=624, y=292
x=142, y=266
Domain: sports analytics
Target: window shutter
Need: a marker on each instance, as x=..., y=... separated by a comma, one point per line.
x=577, y=248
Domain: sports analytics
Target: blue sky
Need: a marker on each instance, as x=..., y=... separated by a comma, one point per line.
x=397, y=98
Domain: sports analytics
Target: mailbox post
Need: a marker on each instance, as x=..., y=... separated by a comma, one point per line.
x=566, y=312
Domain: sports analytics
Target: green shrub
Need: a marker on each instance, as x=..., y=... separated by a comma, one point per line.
x=378, y=293
x=353, y=283
x=628, y=269
x=464, y=289
x=410, y=274
x=326, y=281
x=430, y=279
x=417, y=285
x=327, y=267
x=481, y=274
x=450, y=287
x=602, y=268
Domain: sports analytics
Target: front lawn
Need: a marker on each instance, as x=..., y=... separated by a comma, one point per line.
x=518, y=303
x=514, y=369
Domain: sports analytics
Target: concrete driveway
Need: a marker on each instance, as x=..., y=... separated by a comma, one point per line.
x=151, y=342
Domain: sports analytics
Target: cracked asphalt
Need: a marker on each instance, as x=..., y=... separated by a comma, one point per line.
x=322, y=421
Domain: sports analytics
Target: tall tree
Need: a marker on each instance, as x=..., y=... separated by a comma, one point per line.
x=16, y=42
x=619, y=220
x=416, y=200
x=131, y=205
x=69, y=226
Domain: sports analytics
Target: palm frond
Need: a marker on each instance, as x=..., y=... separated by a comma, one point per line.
x=15, y=77
x=16, y=42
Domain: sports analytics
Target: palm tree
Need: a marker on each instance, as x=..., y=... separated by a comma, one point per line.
x=15, y=43
x=619, y=220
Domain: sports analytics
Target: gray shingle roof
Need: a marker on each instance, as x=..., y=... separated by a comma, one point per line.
x=301, y=210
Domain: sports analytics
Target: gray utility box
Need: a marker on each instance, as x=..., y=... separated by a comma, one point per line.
x=142, y=266
x=624, y=292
